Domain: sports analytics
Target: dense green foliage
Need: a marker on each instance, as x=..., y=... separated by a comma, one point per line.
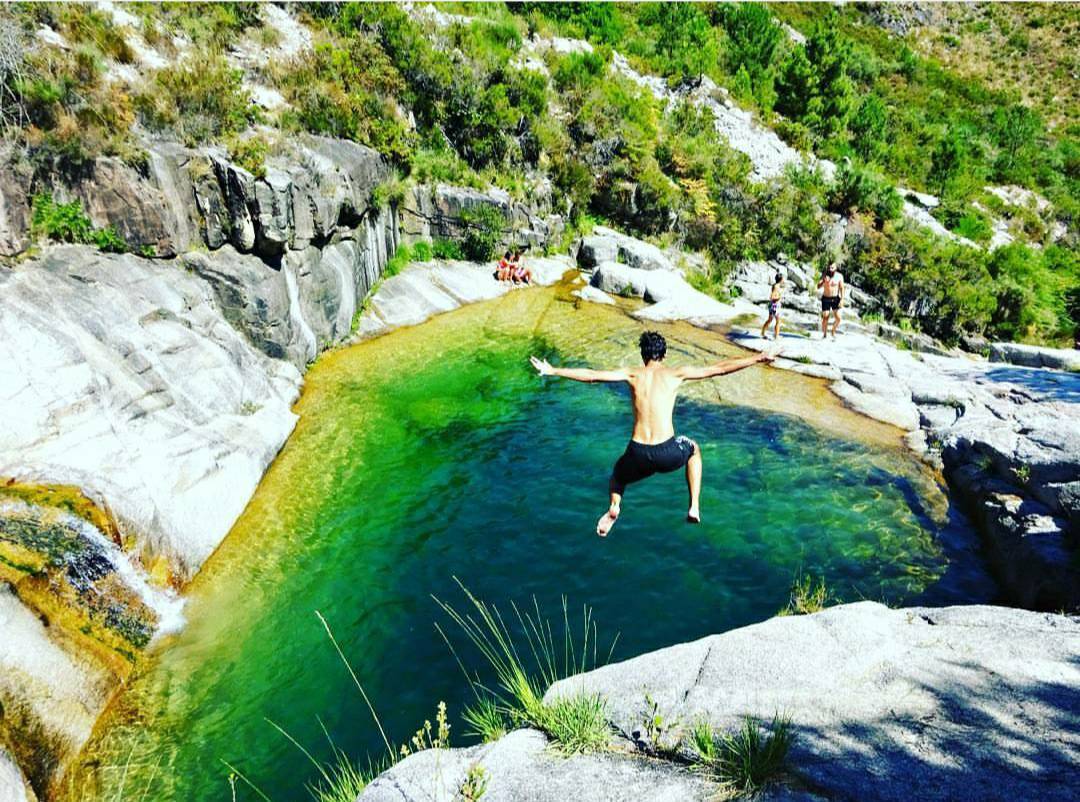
x=465, y=102
x=67, y=222
x=483, y=231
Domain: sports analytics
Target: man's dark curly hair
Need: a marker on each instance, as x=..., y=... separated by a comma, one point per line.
x=653, y=346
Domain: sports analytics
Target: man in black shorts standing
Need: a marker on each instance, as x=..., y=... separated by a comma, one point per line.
x=653, y=446
x=832, y=296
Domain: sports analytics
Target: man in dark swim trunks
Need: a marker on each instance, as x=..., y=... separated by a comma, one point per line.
x=832, y=298
x=653, y=446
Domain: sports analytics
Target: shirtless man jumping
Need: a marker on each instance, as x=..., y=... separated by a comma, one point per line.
x=832, y=296
x=653, y=446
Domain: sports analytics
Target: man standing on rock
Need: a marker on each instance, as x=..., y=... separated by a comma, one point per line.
x=832, y=286
x=653, y=446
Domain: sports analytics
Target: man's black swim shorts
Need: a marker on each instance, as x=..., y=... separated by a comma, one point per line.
x=640, y=461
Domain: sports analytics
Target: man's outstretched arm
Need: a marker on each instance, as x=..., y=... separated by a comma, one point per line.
x=544, y=368
x=722, y=368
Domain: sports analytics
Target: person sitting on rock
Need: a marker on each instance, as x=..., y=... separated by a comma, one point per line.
x=774, y=307
x=522, y=274
x=832, y=297
x=506, y=268
x=653, y=446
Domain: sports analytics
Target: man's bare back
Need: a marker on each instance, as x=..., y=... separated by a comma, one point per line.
x=653, y=447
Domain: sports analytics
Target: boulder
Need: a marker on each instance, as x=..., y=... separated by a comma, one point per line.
x=145, y=397
x=1034, y=356
x=596, y=249
x=1027, y=544
x=879, y=701
x=114, y=194
x=590, y=293
x=632, y=251
x=879, y=401
x=431, y=212
x=424, y=290
x=520, y=766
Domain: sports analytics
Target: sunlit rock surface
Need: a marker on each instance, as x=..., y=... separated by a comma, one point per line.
x=956, y=702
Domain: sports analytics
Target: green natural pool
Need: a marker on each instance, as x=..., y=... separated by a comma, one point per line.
x=436, y=452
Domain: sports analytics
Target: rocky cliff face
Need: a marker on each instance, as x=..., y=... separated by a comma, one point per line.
x=957, y=702
x=161, y=387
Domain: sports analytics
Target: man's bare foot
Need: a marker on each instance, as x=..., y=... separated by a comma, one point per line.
x=693, y=515
x=607, y=520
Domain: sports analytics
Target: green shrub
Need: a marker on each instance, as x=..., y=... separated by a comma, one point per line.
x=860, y=188
x=578, y=71
x=578, y=724
x=442, y=165
x=250, y=153
x=346, y=89
x=200, y=99
x=67, y=222
x=486, y=719
x=390, y=193
x=575, y=723
x=422, y=251
x=403, y=255
x=107, y=239
x=447, y=249
x=483, y=231
x=808, y=595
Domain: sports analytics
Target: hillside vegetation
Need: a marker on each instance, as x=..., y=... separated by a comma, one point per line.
x=478, y=95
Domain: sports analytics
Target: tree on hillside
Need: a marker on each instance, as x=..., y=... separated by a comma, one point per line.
x=684, y=37
x=947, y=160
x=752, y=37
x=814, y=87
x=834, y=97
x=1016, y=129
x=795, y=84
x=868, y=126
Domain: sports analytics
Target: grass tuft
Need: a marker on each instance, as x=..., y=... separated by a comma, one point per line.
x=486, y=720
x=578, y=724
x=808, y=595
x=746, y=760
x=525, y=666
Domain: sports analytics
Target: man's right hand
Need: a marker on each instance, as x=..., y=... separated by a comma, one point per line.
x=543, y=367
x=766, y=357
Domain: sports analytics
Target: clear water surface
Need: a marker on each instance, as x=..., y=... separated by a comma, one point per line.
x=435, y=453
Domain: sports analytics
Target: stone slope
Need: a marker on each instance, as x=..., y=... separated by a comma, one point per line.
x=960, y=703
x=122, y=377
x=1007, y=436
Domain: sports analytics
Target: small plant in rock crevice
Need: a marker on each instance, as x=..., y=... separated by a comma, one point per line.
x=658, y=733
x=67, y=222
x=744, y=761
x=475, y=784
x=808, y=595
